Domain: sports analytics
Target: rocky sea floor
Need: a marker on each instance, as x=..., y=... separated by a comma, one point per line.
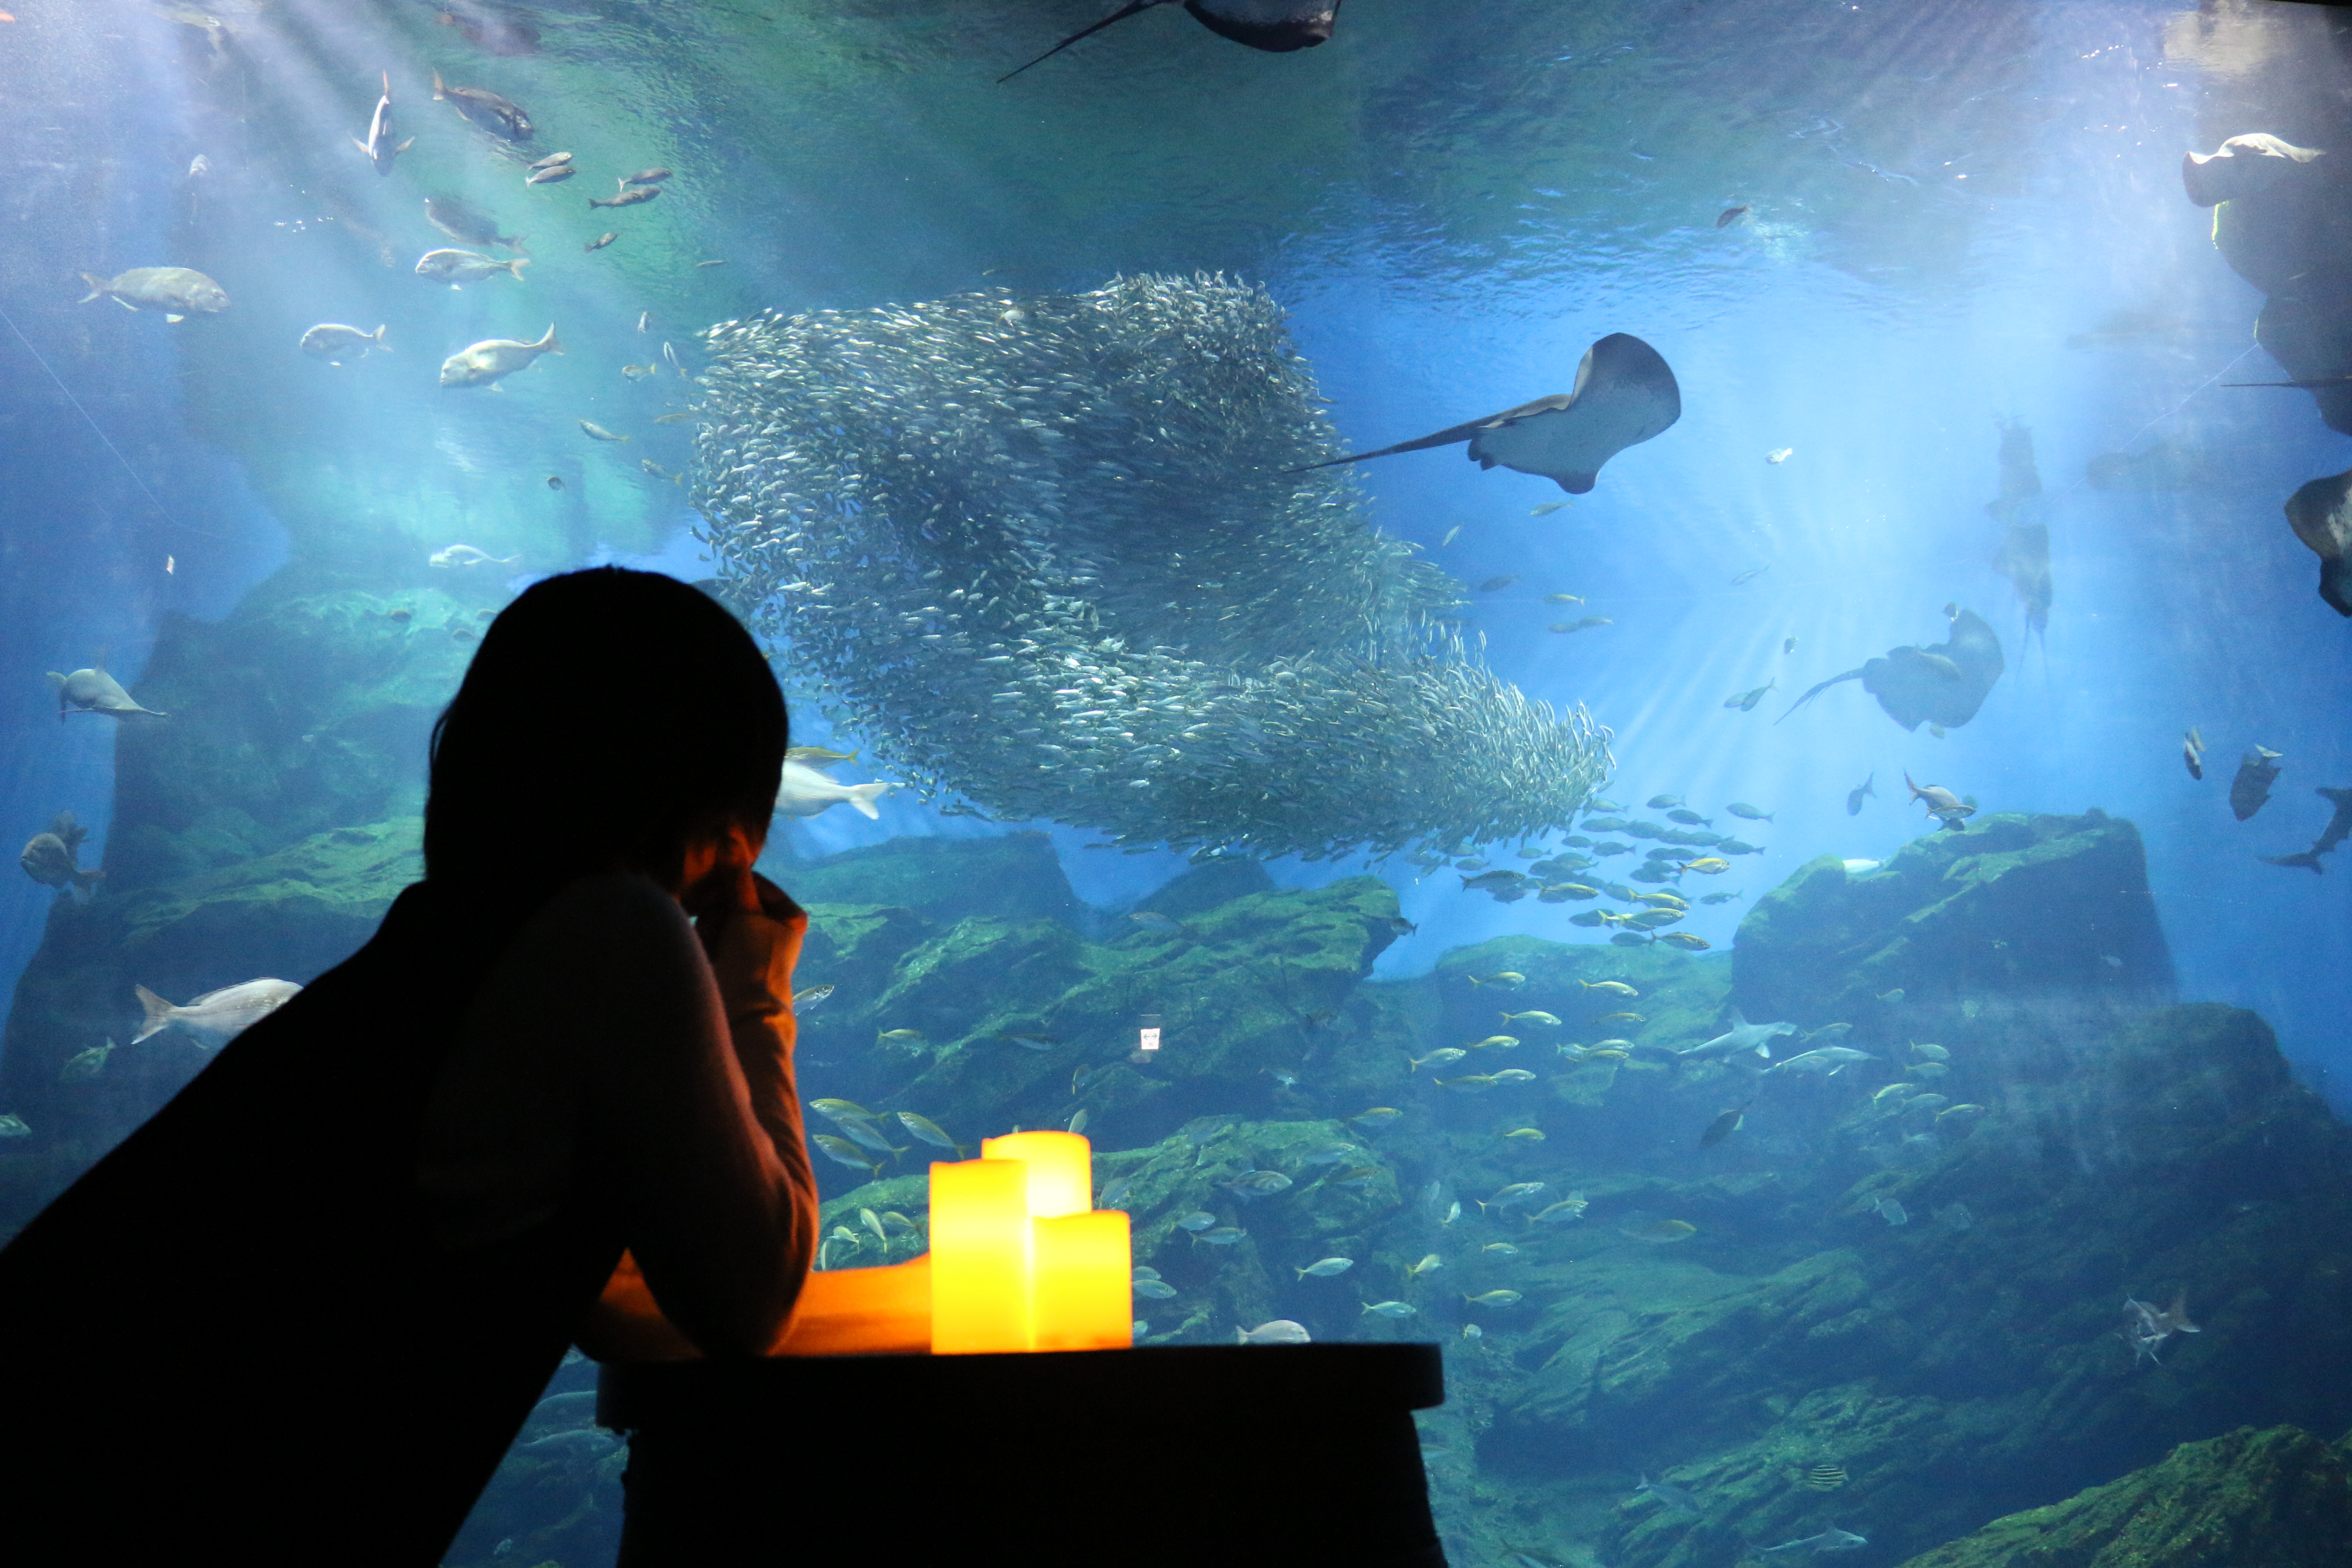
x=1855, y=1312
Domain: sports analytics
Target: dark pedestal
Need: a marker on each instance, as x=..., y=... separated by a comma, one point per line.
x=1296, y=1456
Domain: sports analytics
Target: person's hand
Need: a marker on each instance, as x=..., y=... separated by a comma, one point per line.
x=750, y=930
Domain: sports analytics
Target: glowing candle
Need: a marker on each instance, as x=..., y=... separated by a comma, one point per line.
x=1061, y=1170
x=1083, y=1288
x=980, y=1256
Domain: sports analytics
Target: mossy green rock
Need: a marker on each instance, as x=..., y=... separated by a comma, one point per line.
x=2274, y=1499
x=1009, y=876
x=2041, y=905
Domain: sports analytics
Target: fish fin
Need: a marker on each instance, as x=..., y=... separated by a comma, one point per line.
x=548, y=342
x=1122, y=15
x=405, y=146
x=158, y=1014
x=124, y=303
x=863, y=796
x=1816, y=691
x=387, y=86
x=515, y=264
x=361, y=147
x=378, y=335
x=440, y=94
x=1445, y=438
x=96, y=288
x=169, y=317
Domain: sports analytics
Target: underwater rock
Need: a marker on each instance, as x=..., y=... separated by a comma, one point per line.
x=2279, y=1496
x=2046, y=905
x=295, y=913
x=1064, y=518
x=1009, y=876
x=2321, y=515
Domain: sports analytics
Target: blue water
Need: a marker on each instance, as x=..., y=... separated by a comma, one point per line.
x=1450, y=200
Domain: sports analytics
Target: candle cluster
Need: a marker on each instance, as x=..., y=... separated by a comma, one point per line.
x=1020, y=1260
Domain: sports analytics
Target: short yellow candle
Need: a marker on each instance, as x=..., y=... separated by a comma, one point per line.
x=980, y=1256
x=1084, y=1284
x=1061, y=1169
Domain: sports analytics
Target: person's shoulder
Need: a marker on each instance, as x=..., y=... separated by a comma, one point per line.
x=615, y=904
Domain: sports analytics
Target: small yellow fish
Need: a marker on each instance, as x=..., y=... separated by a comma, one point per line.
x=1501, y=1248
x=1531, y=1017
x=1473, y=1084
x=1377, y=1116
x=1428, y=1264
x=1439, y=1057
x=1505, y=977
x=658, y=471
x=1664, y=901
x=1605, y=1055
x=1686, y=942
x=1622, y=1018
x=674, y=418
x=1712, y=866
x=1548, y=507
x=1500, y=1042
x=1563, y=598
x=899, y=1036
x=640, y=372
x=1614, y=988
x=1894, y=1091
x=1665, y=1230
x=1496, y=1298
x=1525, y=1135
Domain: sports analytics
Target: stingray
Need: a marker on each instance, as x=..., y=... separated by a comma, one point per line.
x=1624, y=395
x=1943, y=685
x=1277, y=27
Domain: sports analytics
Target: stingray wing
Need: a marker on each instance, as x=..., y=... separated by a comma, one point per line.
x=1277, y=27
x=1624, y=395
x=1816, y=691
x=1122, y=15
x=1450, y=436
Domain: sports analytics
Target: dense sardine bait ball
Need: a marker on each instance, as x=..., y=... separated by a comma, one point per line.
x=1041, y=551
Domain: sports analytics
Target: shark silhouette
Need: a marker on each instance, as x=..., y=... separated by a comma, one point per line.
x=1276, y=26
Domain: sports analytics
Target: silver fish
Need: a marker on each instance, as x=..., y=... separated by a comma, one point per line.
x=215, y=1017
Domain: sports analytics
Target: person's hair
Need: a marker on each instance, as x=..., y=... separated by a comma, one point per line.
x=609, y=717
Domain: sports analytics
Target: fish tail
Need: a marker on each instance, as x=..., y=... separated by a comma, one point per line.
x=440, y=94
x=158, y=1014
x=863, y=796
x=378, y=335
x=514, y=266
x=517, y=243
x=387, y=87
x=96, y=288
x=548, y=343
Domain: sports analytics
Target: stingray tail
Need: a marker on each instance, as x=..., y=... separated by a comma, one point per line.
x=1816, y=691
x=1122, y=15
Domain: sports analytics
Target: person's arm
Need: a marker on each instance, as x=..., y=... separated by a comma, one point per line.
x=701, y=1144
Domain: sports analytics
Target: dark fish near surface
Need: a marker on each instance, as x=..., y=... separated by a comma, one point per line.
x=1730, y=215
x=1624, y=395
x=2250, y=790
x=1722, y=1127
x=492, y=35
x=459, y=221
x=2339, y=827
x=501, y=117
x=629, y=197
x=1496, y=584
x=378, y=146
x=599, y=242
x=2192, y=754
x=53, y=858
x=1866, y=790
x=1276, y=26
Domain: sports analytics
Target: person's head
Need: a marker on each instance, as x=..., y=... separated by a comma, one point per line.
x=612, y=720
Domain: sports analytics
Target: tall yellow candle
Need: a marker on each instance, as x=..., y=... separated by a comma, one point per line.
x=1083, y=1284
x=1061, y=1169
x=980, y=1256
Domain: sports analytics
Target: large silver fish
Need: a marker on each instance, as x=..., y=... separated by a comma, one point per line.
x=92, y=691
x=1624, y=395
x=178, y=291
x=481, y=364
x=215, y=1017
x=380, y=148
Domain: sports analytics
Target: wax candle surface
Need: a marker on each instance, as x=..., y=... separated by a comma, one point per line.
x=980, y=1256
x=1061, y=1169
x=1083, y=1290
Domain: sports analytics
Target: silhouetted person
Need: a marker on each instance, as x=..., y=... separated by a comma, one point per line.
x=302, y=1311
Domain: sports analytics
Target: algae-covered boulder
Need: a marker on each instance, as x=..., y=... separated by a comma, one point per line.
x=2274, y=1498
x=1009, y=876
x=2052, y=908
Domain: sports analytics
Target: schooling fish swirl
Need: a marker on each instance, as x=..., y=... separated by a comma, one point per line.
x=1042, y=551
